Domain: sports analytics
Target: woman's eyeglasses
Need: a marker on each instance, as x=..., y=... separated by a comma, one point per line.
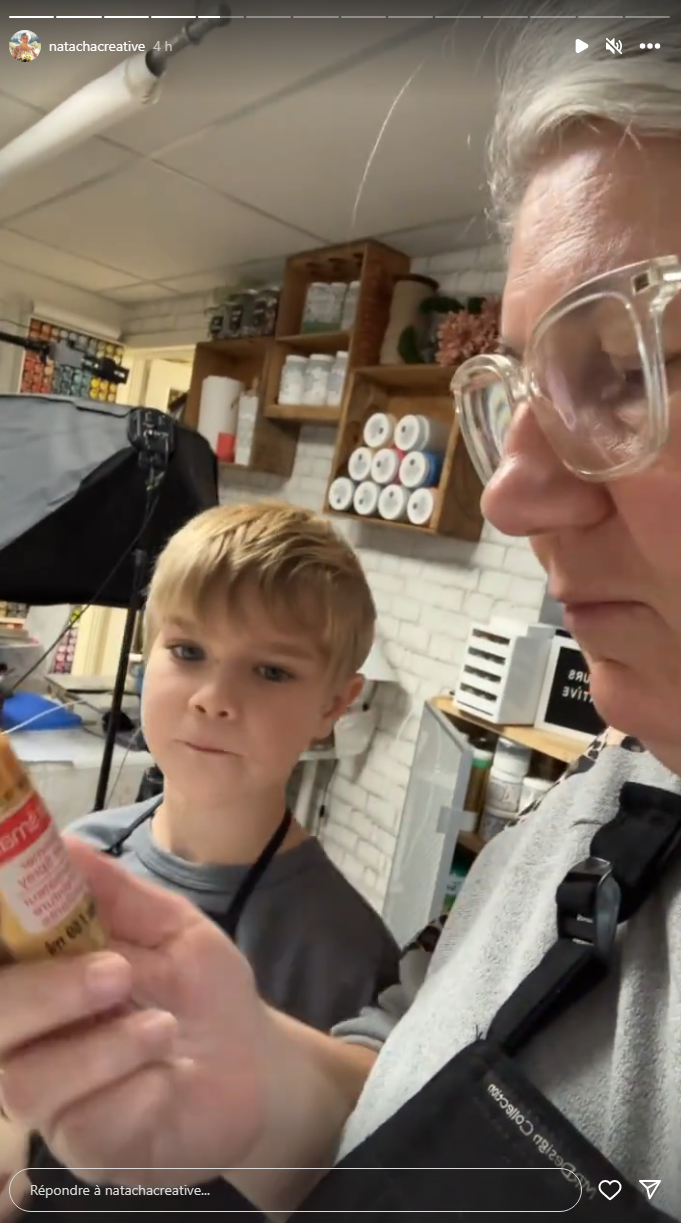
x=597, y=372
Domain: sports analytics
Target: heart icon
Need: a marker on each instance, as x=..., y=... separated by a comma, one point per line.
x=610, y=1189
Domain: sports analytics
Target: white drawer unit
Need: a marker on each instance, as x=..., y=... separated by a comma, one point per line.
x=432, y=817
x=503, y=670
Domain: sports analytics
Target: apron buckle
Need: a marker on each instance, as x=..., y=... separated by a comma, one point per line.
x=589, y=901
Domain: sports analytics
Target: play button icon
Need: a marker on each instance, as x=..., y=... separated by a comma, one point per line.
x=581, y=46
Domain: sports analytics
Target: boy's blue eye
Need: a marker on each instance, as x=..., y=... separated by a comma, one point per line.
x=274, y=675
x=185, y=651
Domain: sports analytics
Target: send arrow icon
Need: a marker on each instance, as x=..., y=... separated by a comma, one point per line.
x=651, y=1188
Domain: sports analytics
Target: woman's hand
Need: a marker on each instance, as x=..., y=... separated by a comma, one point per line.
x=13, y=1158
x=151, y=1059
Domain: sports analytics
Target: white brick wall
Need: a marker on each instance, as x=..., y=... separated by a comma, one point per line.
x=426, y=591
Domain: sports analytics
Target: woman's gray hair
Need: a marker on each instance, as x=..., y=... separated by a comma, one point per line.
x=547, y=88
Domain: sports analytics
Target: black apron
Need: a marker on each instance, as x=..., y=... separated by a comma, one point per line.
x=497, y=1143
x=46, y=1170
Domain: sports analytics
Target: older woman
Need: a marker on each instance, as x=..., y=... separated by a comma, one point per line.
x=587, y=176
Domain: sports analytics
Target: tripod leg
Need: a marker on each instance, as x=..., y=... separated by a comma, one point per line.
x=119, y=686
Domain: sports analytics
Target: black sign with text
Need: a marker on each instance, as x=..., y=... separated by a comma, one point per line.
x=569, y=703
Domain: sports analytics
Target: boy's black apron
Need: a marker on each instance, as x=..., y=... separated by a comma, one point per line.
x=480, y=1112
x=46, y=1170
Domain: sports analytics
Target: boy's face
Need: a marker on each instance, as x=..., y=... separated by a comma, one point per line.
x=228, y=704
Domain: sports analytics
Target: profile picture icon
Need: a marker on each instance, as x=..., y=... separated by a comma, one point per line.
x=24, y=46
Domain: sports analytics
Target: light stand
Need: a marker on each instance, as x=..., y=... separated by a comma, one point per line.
x=152, y=435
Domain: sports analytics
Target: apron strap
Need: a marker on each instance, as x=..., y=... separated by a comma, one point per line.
x=251, y=879
x=115, y=850
x=230, y=918
x=628, y=855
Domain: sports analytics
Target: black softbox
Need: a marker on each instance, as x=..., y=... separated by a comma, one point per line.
x=72, y=499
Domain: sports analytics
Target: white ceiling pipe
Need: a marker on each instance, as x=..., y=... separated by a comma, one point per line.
x=128, y=88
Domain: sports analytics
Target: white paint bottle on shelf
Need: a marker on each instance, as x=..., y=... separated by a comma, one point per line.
x=365, y=500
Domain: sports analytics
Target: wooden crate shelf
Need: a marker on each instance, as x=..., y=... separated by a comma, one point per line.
x=316, y=341
x=376, y=267
x=420, y=390
x=559, y=747
x=303, y=414
x=248, y=359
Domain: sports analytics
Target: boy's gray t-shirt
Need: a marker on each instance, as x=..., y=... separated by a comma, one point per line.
x=319, y=951
x=612, y=1062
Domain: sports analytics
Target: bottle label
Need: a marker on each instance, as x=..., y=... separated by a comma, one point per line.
x=43, y=901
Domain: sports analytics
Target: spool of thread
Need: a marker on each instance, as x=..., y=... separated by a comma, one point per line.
x=341, y=494
x=392, y=503
x=408, y=294
x=218, y=408
x=420, y=469
x=379, y=430
x=365, y=500
x=421, y=433
x=385, y=468
x=359, y=464
x=421, y=506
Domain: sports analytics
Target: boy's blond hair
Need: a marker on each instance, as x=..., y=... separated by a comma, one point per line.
x=303, y=572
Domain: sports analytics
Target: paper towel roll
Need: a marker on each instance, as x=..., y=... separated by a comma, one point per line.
x=245, y=428
x=379, y=429
x=218, y=407
x=341, y=494
x=359, y=464
x=366, y=498
x=385, y=466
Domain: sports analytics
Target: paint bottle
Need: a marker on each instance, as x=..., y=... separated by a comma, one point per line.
x=45, y=909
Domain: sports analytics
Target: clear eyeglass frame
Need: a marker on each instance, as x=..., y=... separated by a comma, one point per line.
x=644, y=290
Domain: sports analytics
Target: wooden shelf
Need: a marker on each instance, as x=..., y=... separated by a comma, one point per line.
x=247, y=348
x=303, y=414
x=402, y=390
x=560, y=747
x=376, y=267
x=329, y=342
x=247, y=359
x=414, y=379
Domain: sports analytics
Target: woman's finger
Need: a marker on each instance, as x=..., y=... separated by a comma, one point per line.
x=40, y=997
x=131, y=910
x=138, y=1114
x=42, y=1081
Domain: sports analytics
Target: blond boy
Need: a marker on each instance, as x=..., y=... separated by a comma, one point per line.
x=257, y=621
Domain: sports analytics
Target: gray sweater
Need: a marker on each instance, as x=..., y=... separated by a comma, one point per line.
x=318, y=950
x=612, y=1063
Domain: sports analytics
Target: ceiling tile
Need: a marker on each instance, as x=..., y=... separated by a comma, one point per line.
x=154, y=224
x=443, y=236
x=429, y=162
x=67, y=172
x=246, y=64
x=200, y=282
x=259, y=271
x=15, y=117
x=141, y=292
x=32, y=256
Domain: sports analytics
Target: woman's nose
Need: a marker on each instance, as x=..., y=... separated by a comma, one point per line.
x=532, y=492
